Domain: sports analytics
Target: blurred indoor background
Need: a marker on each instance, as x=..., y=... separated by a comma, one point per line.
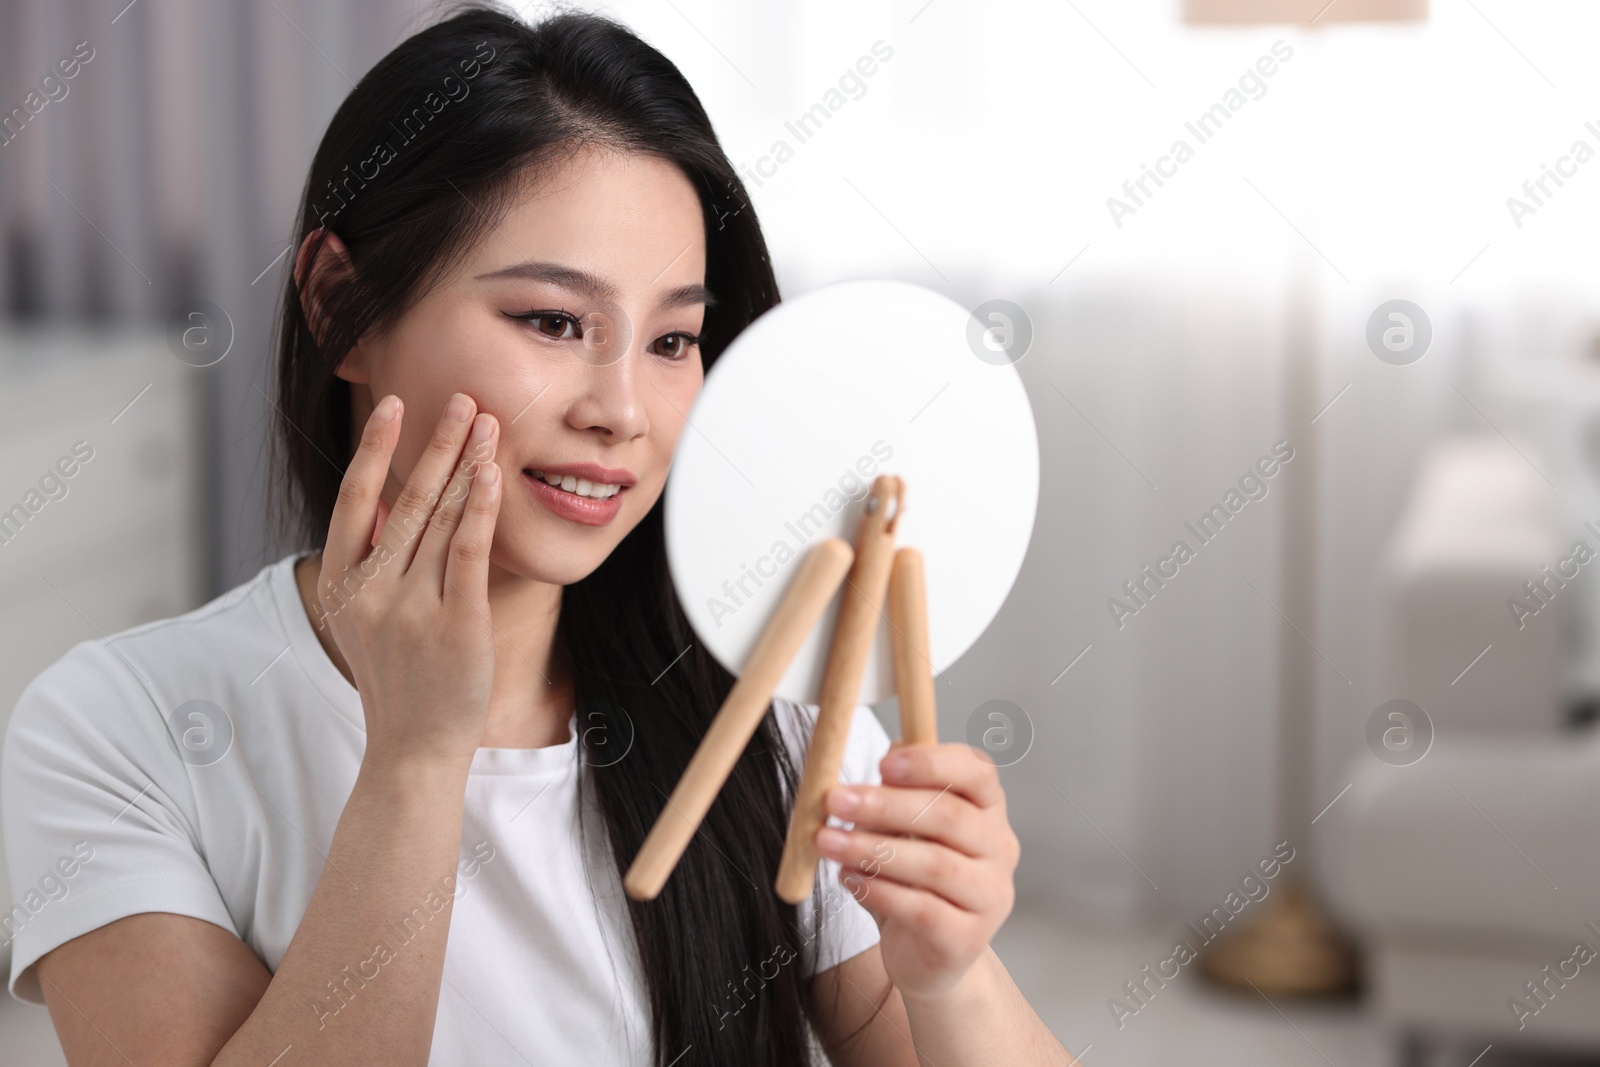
x=1376, y=254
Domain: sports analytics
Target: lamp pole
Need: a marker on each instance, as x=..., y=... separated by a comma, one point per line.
x=1291, y=946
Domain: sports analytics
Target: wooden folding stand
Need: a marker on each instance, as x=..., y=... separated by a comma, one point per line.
x=872, y=566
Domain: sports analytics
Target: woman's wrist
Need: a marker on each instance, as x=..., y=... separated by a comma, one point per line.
x=973, y=994
x=408, y=774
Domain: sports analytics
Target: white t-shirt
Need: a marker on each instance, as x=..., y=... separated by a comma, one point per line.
x=118, y=799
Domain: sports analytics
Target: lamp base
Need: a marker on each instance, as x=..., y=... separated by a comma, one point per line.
x=1292, y=948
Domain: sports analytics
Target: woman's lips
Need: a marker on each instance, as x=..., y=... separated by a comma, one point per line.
x=581, y=509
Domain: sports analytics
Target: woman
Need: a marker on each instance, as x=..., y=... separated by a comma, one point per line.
x=520, y=249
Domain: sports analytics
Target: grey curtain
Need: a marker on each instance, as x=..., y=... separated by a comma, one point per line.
x=153, y=153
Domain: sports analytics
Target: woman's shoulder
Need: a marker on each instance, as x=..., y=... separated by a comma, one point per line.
x=146, y=668
x=101, y=762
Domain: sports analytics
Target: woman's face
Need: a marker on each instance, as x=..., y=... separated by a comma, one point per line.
x=573, y=323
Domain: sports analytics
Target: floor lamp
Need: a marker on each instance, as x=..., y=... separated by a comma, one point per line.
x=1293, y=947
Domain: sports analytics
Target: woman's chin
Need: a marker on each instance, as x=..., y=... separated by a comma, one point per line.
x=544, y=562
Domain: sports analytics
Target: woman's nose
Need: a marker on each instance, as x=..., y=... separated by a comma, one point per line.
x=608, y=397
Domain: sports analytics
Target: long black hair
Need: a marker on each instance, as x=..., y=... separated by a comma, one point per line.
x=417, y=164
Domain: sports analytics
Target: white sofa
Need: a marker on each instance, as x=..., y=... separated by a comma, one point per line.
x=1476, y=870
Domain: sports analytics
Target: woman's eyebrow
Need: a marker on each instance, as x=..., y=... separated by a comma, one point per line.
x=594, y=286
x=688, y=296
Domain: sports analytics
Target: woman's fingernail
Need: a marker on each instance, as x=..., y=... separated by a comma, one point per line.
x=460, y=407
x=831, y=841
x=894, y=765
x=481, y=427
x=387, y=409
x=844, y=801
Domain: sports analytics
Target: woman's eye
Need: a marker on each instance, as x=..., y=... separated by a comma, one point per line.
x=677, y=345
x=556, y=325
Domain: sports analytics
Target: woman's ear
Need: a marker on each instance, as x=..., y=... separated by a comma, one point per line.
x=331, y=266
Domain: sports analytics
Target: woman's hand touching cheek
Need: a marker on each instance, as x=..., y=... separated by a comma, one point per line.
x=930, y=856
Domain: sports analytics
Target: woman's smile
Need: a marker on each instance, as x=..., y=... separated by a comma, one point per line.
x=578, y=499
